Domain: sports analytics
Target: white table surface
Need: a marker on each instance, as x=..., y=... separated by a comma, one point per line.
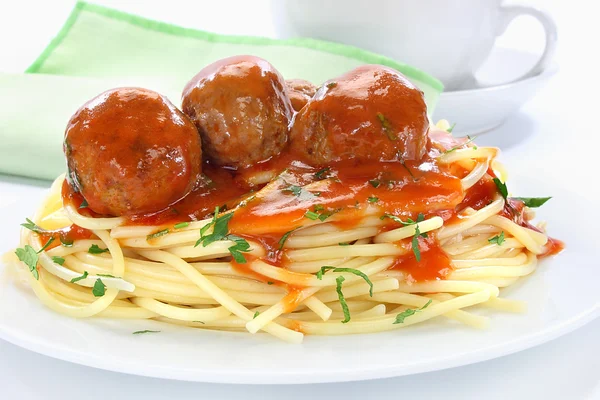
x=560, y=124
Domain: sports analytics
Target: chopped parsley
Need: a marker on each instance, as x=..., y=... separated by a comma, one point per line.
x=294, y=189
x=338, y=289
x=498, y=239
x=84, y=204
x=350, y=270
x=144, y=331
x=418, y=233
x=65, y=242
x=463, y=144
x=32, y=226
x=311, y=215
x=331, y=85
x=387, y=126
x=501, y=188
x=107, y=276
x=181, y=225
x=343, y=244
x=375, y=183
x=256, y=314
x=221, y=232
x=94, y=249
x=407, y=313
x=373, y=199
x=240, y=246
x=58, y=260
x=30, y=257
x=270, y=283
x=79, y=278
x=322, y=173
x=160, y=233
x=99, y=288
x=533, y=202
x=285, y=237
x=451, y=128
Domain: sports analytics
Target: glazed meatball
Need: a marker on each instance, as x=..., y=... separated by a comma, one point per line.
x=130, y=151
x=241, y=109
x=300, y=92
x=370, y=113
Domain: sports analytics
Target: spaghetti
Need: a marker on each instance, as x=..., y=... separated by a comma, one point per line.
x=329, y=251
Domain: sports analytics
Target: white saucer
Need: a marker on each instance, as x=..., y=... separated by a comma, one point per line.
x=481, y=109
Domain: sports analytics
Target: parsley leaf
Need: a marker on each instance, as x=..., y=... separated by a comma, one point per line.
x=285, y=236
x=387, y=126
x=85, y=275
x=32, y=226
x=84, y=204
x=157, y=234
x=375, y=183
x=311, y=215
x=343, y=244
x=99, y=288
x=58, y=260
x=463, y=144
x=338, y=289
x=107, y=276
x=501, y=187
x=256, y=314
x=144, y=331
x=373, y=199
x=220, y=229
x=331, y=85
x=322, y=173
x=498, y=239
x=30, y=258
x=350, y=270
x=533, y=202
x=409, y=221
x=450, y=129
x=415, y=244
x=407, y=313
x=48, y=243
x=415, y=239
x=294, y=189
x=241, y=245
x=181, y=225
x=94, y=249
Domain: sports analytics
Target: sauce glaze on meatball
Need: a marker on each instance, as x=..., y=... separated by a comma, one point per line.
x=241, y=109
x=130, y=151
x=370, y=113
x=300, y=92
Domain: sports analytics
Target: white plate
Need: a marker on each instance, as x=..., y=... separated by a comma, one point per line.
x=562, y=295
x=481, y=109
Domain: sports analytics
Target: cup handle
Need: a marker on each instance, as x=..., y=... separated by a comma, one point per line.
x=508, y=13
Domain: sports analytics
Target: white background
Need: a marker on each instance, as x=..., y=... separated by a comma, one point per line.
x=555, y=134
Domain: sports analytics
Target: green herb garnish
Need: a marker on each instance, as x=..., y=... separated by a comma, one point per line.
x=375, y=183
x=256, y=314
x=30, y=257
x=65, y=242
x=449, y=130
x=58, y=260
x=99, y=288
x=415, y=239
x=501, y=188
x=331, y=85
x=285, y=237
x=407, y=313
x=181, y=225
x=350, y=270
x=32, y=226
x=155, y=235
x=387, y=126
x=463, y=144
x=94, y=249
x=144, y=331
x=311, y=215
x=322, y=173
x=338, y=289
x=373, y=199
x=343, y=244
x=220, y=229
x=241, y=245
x=533, y=202
x=498, y=239
x=84, y=204
x=107, y=276
x=85, y=275
x=294, y=189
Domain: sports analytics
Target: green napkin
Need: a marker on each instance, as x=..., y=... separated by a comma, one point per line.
x=100, y=48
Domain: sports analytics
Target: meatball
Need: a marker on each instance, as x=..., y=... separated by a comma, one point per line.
x=300, y=92
x=241, y=109
x=370, y=113
x=130, y=151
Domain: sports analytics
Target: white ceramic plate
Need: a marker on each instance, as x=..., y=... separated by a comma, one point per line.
x=562, y=295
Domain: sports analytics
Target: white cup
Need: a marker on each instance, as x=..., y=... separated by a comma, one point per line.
x=449, y=39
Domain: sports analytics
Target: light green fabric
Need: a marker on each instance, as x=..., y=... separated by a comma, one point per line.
x=100, y=48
